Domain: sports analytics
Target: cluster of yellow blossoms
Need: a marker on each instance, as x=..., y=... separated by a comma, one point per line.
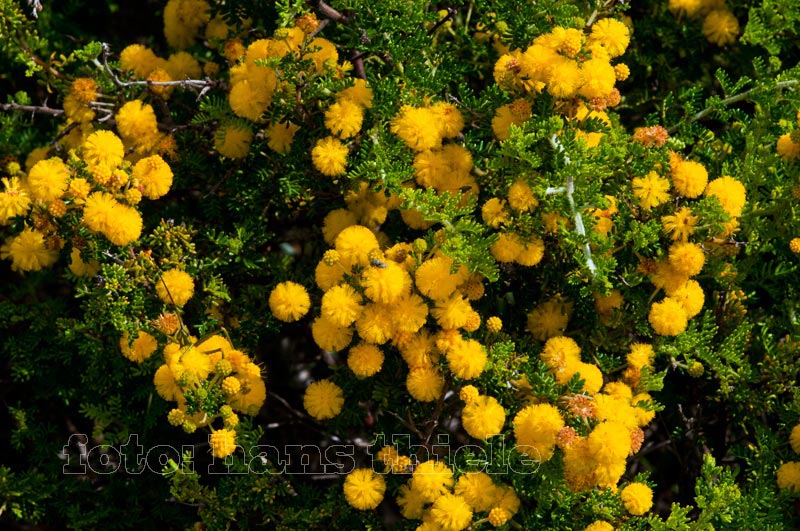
x=788, y=146
x=685, y=259
x=101, y=180
x=571, y=66
x=212, y=375
x=720, y=26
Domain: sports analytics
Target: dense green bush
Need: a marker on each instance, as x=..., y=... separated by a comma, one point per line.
x=400, y=264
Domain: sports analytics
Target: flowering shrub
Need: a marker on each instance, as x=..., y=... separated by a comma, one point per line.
x=395, y=264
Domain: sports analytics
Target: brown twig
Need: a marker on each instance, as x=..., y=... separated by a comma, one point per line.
x=329, y=12
x=31, y=108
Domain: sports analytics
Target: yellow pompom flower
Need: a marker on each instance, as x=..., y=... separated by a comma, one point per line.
x=103, y=152
x=521, y=197
x=794, y=245
x=730, y=193
x=668, y=317
x=233, y=141
x=641, y=355
x=140, y=349
x=452, y=312
x=467, y=359
x=680, y=225
x=341, y=305
x=794, y=439
x=323, y=399
x=409, y=313
x=138, y=58
x=516, y=113
x=787, y=149
x=483, y=417
x=478, y=490
x=137, y=125
x=494, y=213
x=532, y=253
x=690, y=295
x=686, y=258
x=434, y=280
x=689, y=178
x=329, y=335
x=354, y=245
x=535, y=428
x=251, y=96
x=507, y=247
x=329, y=156
x=560, y=351
x=637, y=498
x=565, y=78
x=385, y=284
x=344, y=118
x=280, y=136
x=47, y=179
x=165, y=384
x=789, y=476
x=432, y=479
x=451, y=513
x=175, y=287
x=14, y=200
x=183, y=20
x=289, y=301
x=598, y=78
x=153, y=175
x=721, y=27
x=424, y=383
x=359, y=93
x=651, y=190
x=417, y=127
x=222, y=442
x=28, y=251
x=364, y=489
x=448, y=118
x=609, y=443
x=365, y=360
x=375, y=325
x=613, y=34
x=549, y=318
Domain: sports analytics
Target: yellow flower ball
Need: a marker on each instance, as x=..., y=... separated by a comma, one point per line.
x=668, y=317
x=613, y=34
x=289, y=301
x=323, y=400
x=721, y=27
x=451, y=513
x=364, y=489
x=599, y=525
x=730, y=193
x=354, y=245
x=535, y=428
x=142, y=347
x=467, y=359
x=434, y=279
x=329, y=156
x=175, y=287
x=432, y=479
x=223, y=443
x=385, y=284
x=637, y=498
x=689, y=178
x=651, y=190
x=47, y=179
x=365, y=360
x=329, y=335
x=424, y=383
x=233, y=141
x=483, y=417
x=794, y=439
x=686, y=258
x=690, y=296
x=341, y=305
x=344, y=118
x=28, y=251
x=153, y=175
x=787, y=149
x=417, y=127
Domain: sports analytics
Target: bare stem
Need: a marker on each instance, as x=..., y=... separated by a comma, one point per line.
x=31, y=109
